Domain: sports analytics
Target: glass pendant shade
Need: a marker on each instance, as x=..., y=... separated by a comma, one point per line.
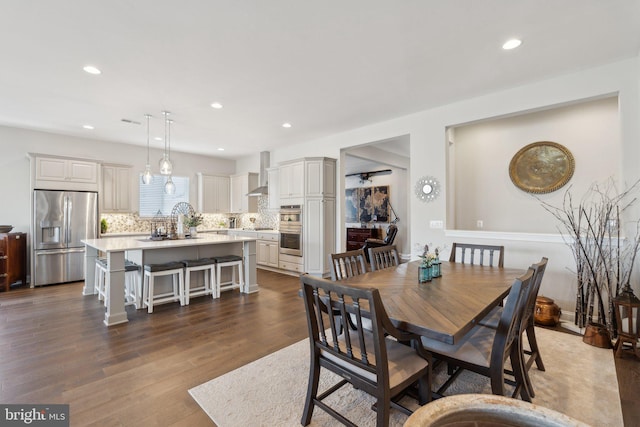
x=169, y=187
x=147, y=176
x=166, y=168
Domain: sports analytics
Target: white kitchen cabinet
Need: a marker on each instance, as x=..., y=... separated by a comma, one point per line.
x=213, y=193
x=240, y=186
x=115, y=195
x=273, y=181
x=320, y=177
x=319, y=238
x=63, y=173
x=291, y=180
x=268, y=249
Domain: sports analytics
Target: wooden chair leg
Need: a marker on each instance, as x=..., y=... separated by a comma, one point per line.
x=533, y=345
x=312, y=392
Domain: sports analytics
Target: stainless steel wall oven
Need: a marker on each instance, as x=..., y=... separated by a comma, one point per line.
x=291, y=230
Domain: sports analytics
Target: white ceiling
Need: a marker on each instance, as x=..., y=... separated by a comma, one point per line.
x=325, y=66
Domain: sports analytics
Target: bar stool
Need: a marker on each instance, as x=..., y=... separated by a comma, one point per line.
x=132, y=291
x=207, y=266
x=132, y=285
x=151, y=271
x=228, y=261
x=100, y=279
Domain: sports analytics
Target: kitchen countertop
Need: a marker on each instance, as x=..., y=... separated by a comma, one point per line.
x=132, y=243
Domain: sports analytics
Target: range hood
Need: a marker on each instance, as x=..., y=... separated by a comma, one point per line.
x=264, y=164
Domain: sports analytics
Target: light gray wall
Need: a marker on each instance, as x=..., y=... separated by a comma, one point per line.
x=429, y=154
x=482, y=188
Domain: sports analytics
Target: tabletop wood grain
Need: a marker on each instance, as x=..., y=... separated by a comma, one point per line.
x=445, y=308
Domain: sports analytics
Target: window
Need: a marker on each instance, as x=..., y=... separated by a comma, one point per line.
x=154, y=199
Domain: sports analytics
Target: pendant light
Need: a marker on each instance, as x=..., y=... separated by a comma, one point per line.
x=165, y=162
x=147, y=176
x=169, y=186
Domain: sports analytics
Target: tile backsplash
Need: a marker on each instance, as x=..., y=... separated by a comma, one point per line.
x=133, y=223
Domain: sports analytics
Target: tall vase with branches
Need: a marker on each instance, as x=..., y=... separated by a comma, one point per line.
x=604, y=259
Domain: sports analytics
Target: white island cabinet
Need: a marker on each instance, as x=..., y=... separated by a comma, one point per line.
x=145, y=251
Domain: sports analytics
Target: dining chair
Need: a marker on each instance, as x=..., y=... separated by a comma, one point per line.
x=347, y=264
x=366, y=358
x=383, y=257
x=527, y=324
x=391, y=233
x=485, y=350
x=471, y=249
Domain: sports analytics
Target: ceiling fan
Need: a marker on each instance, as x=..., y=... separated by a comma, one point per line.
x=366, y=176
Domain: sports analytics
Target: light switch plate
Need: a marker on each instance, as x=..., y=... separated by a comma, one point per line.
x=436, y=224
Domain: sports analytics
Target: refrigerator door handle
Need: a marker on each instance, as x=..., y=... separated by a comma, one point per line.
x=67, y=226
x=59, y=251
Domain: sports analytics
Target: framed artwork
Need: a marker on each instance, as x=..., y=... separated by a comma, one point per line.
x=367, y=204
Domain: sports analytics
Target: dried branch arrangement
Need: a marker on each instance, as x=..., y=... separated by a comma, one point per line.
x=604, y=256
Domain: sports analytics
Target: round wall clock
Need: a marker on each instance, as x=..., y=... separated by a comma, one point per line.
x=541, y=167
x=427, y=188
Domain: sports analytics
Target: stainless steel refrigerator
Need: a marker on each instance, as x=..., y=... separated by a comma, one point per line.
x=61, y=220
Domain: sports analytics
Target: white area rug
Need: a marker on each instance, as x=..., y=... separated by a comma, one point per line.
x=579, y=381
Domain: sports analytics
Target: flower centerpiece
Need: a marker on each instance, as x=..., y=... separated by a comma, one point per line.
x=192, y=221
x=425, y=269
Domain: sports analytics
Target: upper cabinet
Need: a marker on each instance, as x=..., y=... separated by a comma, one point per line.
x=240, y=186
x=115, y=195
x=213, y=193
x=309, y=177
x=291, y=182
x=62, y=173
x=274, y=188
x=320, y=177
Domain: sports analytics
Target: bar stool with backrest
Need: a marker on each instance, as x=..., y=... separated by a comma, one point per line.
x=471, y=249
x=208, y=267
x=151, y=271
x=237, y=281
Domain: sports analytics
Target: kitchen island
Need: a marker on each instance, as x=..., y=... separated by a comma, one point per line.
x=146, y=251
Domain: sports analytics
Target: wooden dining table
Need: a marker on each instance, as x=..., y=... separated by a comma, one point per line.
x=447, y=307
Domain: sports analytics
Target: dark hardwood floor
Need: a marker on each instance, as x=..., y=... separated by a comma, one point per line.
x=54, y=348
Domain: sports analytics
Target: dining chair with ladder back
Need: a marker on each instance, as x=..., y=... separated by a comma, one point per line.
x=383, y=257
x=368, y=360
x=527, y=324
x=471, y=249
x=347, y=264
x=485, y=350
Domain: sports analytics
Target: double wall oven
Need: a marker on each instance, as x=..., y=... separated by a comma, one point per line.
x=291, y=230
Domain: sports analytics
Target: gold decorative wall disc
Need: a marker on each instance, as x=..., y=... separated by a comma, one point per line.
x=541, y=167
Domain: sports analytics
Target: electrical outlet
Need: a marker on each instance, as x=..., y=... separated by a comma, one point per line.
x=436, y=224
x=479, y=223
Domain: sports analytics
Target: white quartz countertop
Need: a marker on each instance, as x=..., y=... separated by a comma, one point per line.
x=132, y=243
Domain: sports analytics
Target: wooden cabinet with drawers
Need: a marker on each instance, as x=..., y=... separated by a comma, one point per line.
x=13, y=259
x=357, y=236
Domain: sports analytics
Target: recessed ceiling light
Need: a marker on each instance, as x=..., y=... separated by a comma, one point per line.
x=158, y=138
x=91, y=69
x=88, y=127
x=286, y=125
x=216, y=105
x=511, y=44
x=220, y=149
